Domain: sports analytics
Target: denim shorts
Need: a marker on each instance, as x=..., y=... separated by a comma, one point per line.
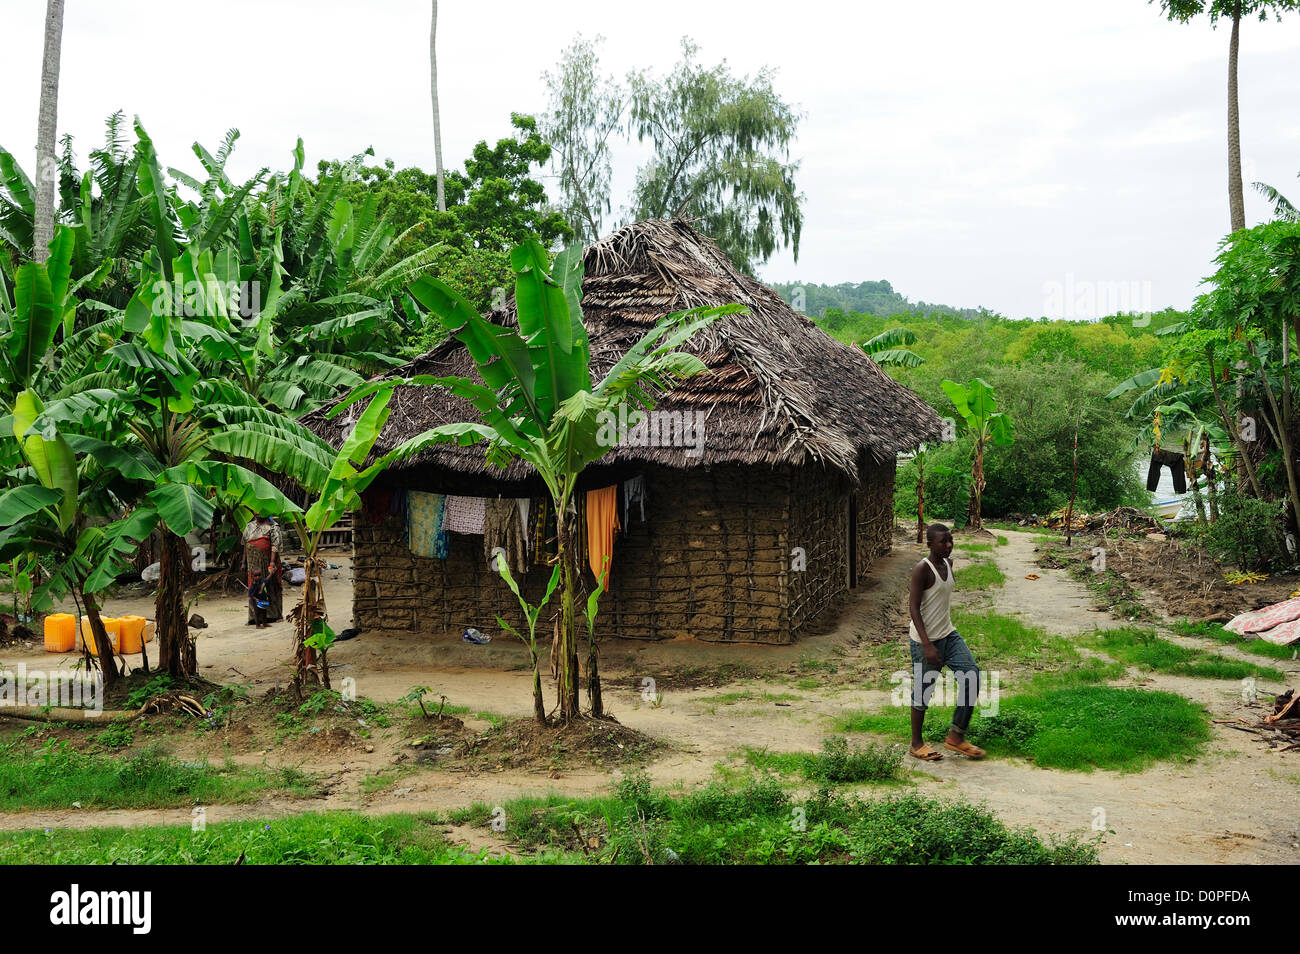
x=956, y=655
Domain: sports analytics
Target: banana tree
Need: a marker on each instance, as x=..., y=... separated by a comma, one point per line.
x=83, y=559
x=538, y=403
x=889, y=348
x=531, y=614
x=977, y=407
x=174, y=439
x=41, y=305
x=338, y=494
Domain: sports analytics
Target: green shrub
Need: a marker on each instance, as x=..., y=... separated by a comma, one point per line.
x=117, y=736
x=837, y=762
x=761, y=796
x=1248, y=534
x=154, y=687
x=947, y=485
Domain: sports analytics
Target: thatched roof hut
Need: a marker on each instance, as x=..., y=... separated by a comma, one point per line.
x=800, y=434
x=780, y=390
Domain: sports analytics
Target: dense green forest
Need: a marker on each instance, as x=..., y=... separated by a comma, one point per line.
x=873, y=298
x=1047, y=374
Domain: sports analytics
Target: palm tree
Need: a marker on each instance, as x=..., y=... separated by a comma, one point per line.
x=46, y=166
x=1184, y=10
x=1283, y=208
x=433, y=89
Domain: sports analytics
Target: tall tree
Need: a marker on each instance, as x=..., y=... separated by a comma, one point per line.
x=46, y=163
x=1184, y=10
x=586, y=110
x=437, y=119
x=721, y=151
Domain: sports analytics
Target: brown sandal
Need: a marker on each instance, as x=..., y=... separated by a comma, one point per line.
x=925, y=754
x=966, y=749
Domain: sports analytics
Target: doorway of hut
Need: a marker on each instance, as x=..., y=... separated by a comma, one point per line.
x=853, y=541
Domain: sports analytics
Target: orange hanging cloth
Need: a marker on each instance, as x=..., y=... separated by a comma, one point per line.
x=602, y=521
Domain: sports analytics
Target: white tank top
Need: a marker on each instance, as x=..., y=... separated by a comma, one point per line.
x=936, y=603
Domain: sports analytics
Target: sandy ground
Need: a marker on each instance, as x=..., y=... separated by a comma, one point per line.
x=1234, y=805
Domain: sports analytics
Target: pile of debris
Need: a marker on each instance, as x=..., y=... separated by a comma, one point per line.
x=1121, y=518
x=1280, y=729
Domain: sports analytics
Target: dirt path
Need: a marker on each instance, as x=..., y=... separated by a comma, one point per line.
x=1235, y=804
x=1054, y=601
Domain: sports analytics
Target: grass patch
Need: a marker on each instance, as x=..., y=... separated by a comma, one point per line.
x=1086, y=672
x=328, y=838
x=974, y=547
x=758, y=822
x=1078, y=728
x=57, y=775
x=1000, y=642
x=1148, y=650
x=381, y=780
x=836, y=763
x=1256, y=647
x=979, y=575
x=1002, y=541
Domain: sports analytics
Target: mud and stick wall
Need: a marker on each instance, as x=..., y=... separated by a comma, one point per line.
x=712, y=560
x=819, y=501
x=875, y=513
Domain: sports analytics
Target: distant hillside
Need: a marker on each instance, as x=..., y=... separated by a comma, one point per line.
x=876, y=298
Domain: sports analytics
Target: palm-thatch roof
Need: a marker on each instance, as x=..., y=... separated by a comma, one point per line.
x=780, y=391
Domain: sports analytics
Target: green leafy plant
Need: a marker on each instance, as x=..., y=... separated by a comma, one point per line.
x=977, y=407
x=416, y=696
x=531, y=613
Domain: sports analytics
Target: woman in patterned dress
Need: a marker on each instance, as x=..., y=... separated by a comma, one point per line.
x=262, y=542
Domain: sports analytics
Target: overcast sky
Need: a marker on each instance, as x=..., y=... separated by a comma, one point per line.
x=1035, y=157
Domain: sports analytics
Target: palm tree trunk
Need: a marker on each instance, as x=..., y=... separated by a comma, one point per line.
x=1236, y=201
x=437, y=119
x=175, y=649
x=46, y=124
x=307, y=612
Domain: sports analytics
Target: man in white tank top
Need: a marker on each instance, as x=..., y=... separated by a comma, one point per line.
x=935, y=643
